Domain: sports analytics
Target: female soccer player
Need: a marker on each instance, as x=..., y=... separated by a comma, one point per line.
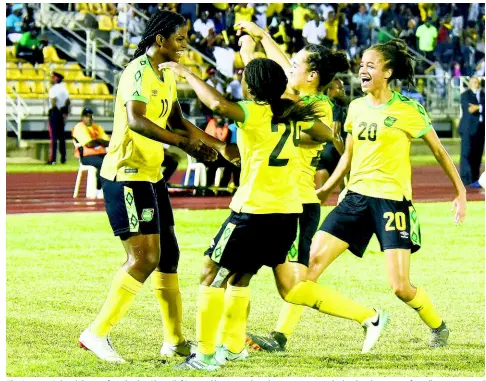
x=377, y=199
x=263, y=222
x=136, y=197
x=312, y=69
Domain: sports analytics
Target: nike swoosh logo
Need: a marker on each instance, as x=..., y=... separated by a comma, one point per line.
x=377, y=322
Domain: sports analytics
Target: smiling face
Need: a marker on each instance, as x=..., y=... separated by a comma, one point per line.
x=372, y=73
x=298, y=74
x=172, y=48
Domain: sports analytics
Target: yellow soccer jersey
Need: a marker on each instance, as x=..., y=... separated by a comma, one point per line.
x=309, y=156
x=131, y=156
x=380, y=166
x=269, y=164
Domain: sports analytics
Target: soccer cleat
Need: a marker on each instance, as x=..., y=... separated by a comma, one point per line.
x=374, y=328
x=274, y=342
x=439, y=336
x=223, y=354
x=198, y=361
x=183, y=349
x=100, y=346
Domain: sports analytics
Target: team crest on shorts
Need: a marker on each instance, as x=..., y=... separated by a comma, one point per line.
x=389, y=121
x=147, y=215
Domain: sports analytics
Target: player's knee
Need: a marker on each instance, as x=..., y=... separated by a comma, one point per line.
x=402, y=290
x=208, y=274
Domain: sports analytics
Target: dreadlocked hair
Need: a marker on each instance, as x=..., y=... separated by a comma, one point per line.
x=326, y=63
x=267, y=82
x=397, y=58
x=162, y=22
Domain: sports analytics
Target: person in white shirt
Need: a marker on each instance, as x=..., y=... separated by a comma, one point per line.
x=325, y=9
x=203, y=25
x=234, y=90
x=224, y=56
x=314, y=31
x=213, y=81
x=59, y=103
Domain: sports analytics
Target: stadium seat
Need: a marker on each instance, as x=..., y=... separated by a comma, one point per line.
x=95, y=8
x=105, y=23
x=12, y=87
x=13, y=72
x=28, y=72
x=195, y=56
x=85, y=90
x=82, y=7
x=115, y=24
x=25, y=89
x=199, y=172
x=195, y=69
x=74, y=72
x=44, y=71
x=91, y=181
x=50, y=55
x=73, y=90
x=40, y=90
x=59, y=69
x=101, y=91
x=11, y=54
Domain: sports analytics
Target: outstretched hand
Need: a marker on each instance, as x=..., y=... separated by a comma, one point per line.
x=459, y=207
x=251, y=28
x=176, y=68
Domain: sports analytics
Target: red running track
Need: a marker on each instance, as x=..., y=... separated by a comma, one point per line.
x=53, y=192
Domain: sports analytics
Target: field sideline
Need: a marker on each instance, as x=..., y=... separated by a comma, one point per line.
x=59, y=268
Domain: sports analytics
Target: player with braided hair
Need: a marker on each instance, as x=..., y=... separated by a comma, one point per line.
x=147, y=115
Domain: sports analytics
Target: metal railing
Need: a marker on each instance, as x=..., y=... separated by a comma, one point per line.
x=18, y=111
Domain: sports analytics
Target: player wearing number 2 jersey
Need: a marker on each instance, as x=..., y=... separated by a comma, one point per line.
x=377, y=199
x=308, y=74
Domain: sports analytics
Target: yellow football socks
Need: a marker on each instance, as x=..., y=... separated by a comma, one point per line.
x=232, y=330
x=122, y=292
x=426, y=310
x=209, y=310
x=328, y=301
x=289, y=317
x=166, y=290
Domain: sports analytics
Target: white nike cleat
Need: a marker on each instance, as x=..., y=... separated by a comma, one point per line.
x=183, y=349
x=374, y=327
x=223, y=354
x=100, y=346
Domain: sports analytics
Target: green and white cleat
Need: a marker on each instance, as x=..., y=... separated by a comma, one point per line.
x=374, y=327
x=439, y=336
x=183, y=349
x=197, y=361
x=223, y=354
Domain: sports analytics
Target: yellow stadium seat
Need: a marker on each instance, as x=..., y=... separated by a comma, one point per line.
x=105, y=23
x=13, y=71
x=101, y=91
x=195, y=69
x=50, y=55
x=195, y=56
x=59, y=69
x=73, y=90
x=82, y=7
x=86, y=90
x=109, y=8
x=25, y=89
x=40, y=89
x=115, y=24
x=11, y=54
x=12, y=87
x=259, y=55
x=29, y=72
x=44, y=71
x=95, y=8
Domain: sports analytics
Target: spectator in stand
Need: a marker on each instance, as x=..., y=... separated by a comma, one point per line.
x=14, y=24
x=213, y=81
x=93, y=141
x=331, y=29
x=445, y=51
x=136, y=26
x=218, y=128
x=362, y=21
x=219, y=23
x=30, y=46
x=468, y=57
x=471, y=130
x=243, y=12
x=314, y=31
x=234, y=90
x=444, y=29
x=261, y=15
x=427, y=34
x=354, y=49
x=375, y=25
x=456, y=73
x=125, y=14
x=457, y=23
x=203, y=25
x=224, y=56
x=343, y=32
x=325, y=10
x=298, y=22
x=408, y=34
x=189, y=11
x=58, y=112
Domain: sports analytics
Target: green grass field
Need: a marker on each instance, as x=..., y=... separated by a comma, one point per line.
x=59, y=269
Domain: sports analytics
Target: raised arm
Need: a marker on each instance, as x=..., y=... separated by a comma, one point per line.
x=272, y=50
x=207, y=94
x=445, y=161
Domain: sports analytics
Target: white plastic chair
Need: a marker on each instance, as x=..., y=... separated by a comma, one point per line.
x=199, y=172
x=218, y=176
x=92, y=182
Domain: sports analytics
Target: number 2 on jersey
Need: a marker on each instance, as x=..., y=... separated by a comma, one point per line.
x=274, y=160
x=372, y=128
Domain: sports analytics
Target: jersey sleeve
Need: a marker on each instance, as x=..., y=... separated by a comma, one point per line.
x=135, y=85
x=348, y=124
x=244, y=106
x=417, y=121
x=81, y=135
